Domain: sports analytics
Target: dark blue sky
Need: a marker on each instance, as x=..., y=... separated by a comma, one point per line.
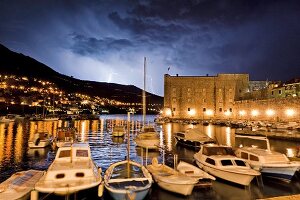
x=106, y=40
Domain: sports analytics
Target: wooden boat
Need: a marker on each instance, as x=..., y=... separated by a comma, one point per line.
x=192, y=138
x=40, y=140
x=270, y=163
x=147, y=138
x=19, y=185
x=127, y=180
x=193, y=171
x=221, y=162
x=65, y=135
x=72, y=170
x=118, y=131
x=171, y=179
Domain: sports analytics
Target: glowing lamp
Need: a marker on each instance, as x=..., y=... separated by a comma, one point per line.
x=227, y=113
x=290, y=112
x=270, y=112
x=254, y=113
x=242, y=112
x=192, y=112
x=168, y=112
x=209, y=112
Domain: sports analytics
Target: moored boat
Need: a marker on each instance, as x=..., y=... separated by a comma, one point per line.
x=127, y=180
x=65, y=135
x=192, y=138
x=148, y=138
x=19, y=185
x=72, y=170
x=171, y=179
x=40, y=140
x=118, y=131
x=221, y=162
x=270, y=163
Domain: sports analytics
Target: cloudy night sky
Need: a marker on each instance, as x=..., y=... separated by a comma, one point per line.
x=106, y=40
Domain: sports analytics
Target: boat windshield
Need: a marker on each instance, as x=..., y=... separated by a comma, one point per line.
x=210, y=151
x=64, y=153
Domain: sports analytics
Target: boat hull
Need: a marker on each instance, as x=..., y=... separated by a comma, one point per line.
x=148, y=144
x=65, y=188
x=183, y=189
x=283, y=173
x=118, y=134
x=242, y=179
x=127, y=194
x=41, y=144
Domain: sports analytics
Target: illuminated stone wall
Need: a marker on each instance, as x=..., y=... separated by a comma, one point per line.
x=203, y=97
x=275, y=109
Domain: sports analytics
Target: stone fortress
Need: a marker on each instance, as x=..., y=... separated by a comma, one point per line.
x=230, y=96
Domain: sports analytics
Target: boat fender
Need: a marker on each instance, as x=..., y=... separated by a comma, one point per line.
x=37, y=141
x=100, y=189
x=34, y=195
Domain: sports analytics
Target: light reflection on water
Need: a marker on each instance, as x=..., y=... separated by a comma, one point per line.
x=15, y=155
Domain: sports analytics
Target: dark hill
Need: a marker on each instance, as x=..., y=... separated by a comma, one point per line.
x=21, y=65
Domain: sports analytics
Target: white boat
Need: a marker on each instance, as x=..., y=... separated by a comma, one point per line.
x=269, y=163
x=72, y=170
x=65, y=135
x=40, y=140
x=127, y=180
x=10, y=118
x=221, y=162
x=19, y=185
x=192, y=137
x=148, y=138
x=118, y=131
x=171, y=179
x=193, y=171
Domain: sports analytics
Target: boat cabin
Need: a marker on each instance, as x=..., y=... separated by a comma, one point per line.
x=222, y=156
x=73, y=152
x=261, y=155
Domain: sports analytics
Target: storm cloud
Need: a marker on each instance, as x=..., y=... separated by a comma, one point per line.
x=107, y=40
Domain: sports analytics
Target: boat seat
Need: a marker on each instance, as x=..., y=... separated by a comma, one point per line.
x=126, y=184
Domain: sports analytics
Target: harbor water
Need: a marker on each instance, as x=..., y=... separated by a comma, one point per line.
x=16, y=156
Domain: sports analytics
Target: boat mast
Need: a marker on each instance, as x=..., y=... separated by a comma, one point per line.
x=144, y=93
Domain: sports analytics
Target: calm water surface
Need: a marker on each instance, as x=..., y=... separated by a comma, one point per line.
x=15, y=154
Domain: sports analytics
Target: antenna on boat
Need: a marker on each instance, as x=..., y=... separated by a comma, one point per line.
x=144, y=93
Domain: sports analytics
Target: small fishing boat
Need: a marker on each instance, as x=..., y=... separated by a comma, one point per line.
x=19, y=185
x=127, y=180
x=40, y=140
x=118, y=131
x=171, y=179
x=72, y=170
x=193, y=171
x=147, y=138
x=193, y=137
x=221, y=162
x=64, y=135
x=270, y=163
